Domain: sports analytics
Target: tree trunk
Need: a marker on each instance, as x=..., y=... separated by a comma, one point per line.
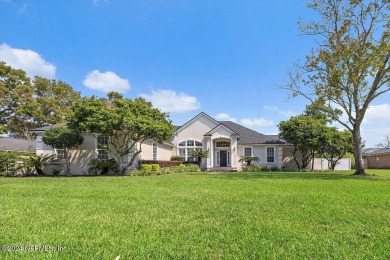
x=39, y=171
x=199, y=162
x=357, y=140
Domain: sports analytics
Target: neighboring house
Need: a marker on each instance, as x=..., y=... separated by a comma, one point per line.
x=377, y=158
x=16, y=145
x=226, y=141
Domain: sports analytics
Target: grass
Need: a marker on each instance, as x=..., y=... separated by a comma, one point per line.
x=196, y=216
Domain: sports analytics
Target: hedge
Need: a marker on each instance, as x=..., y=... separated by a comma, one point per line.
x=161, y=163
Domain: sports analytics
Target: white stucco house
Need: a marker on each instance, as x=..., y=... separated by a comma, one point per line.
x=226, y=141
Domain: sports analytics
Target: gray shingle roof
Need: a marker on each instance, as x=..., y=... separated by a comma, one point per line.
x=20, y=145
x=375, y=151
x=249, y=136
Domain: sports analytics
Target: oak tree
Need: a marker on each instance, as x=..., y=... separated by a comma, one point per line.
x=350, y=68
x=126, y=123
x=26, y=104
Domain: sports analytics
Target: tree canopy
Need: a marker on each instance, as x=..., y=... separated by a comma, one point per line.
x=350, y=68
x=311, y=136
x=26, y=104
x=124, y=122
x=305, y=134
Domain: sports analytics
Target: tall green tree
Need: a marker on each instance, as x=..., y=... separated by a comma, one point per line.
x=336, y=145
x=126, y=123
x=26, y=104
x=350, y=68
x=305, y=134
x=62, y=137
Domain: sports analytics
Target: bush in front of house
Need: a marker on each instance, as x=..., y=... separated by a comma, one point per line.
x=160, y=162
x=177, y=158
x=154, y=169
x=252, y=168
x=258, y=168
x=102, y=166
x=145, y=167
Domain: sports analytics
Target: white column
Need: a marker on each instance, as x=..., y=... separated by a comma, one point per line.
x=211, y=153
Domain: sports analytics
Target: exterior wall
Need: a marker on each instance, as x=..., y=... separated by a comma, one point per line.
x=164, y=151
x=195, y=131
x=79, y=157
x=288, y=159
x=261, y=152
x=381, y=161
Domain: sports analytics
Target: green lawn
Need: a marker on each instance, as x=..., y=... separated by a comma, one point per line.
x=186, y=216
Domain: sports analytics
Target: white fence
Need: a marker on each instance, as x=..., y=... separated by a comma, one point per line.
x=342, y=165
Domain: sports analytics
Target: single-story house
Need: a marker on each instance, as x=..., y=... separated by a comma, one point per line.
x=226, y=142
x=16, y=145
x=377, y=158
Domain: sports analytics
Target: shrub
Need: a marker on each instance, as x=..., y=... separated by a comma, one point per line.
x=100, y=166
x=56, y=172
x=155, y=167
x=263, y=168
x=9, y=161
x=177, y=158
x=274, y=169
x=145, y=167
x=161, y=163
x=252, y=168
x=192, y=168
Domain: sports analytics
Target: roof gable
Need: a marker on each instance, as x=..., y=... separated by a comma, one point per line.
x=194, y=119
x=215, y=129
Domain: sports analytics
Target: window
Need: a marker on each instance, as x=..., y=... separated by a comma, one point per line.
x=223, y=144
x=270, y=154
x=154, y=151
x=186, y=148
x=247, y=151
x=182, y=152
x=189, y=155
x=102, y=147
x=60, y=154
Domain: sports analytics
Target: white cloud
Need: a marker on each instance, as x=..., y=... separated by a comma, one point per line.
x=225, y=117
x=27, y=60
x=106, y=82
x=169, y=101
x=287, y=114
x=257, y=122
x=377, y=114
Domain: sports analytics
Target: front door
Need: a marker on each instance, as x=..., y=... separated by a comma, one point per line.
x=223, y=158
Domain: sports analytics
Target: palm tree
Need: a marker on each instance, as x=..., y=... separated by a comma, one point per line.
x=200, y=154
x=101, y=166
x=38, y=162
x=249, y=159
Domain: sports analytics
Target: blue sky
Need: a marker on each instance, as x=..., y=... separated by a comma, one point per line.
x=228, y=59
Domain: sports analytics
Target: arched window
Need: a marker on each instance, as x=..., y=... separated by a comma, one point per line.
x=185, y=149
